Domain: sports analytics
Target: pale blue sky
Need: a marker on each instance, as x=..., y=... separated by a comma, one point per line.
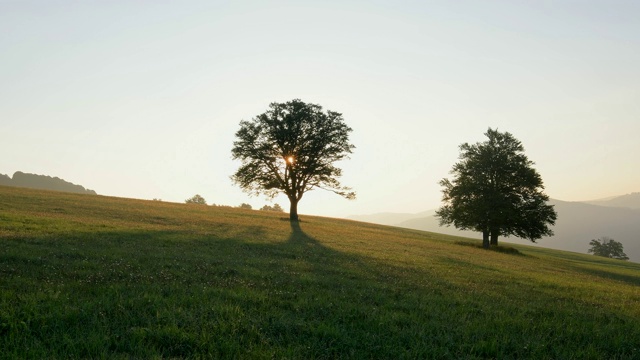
x=142, y=99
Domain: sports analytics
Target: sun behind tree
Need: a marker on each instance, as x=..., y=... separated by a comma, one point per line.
x=292, y=149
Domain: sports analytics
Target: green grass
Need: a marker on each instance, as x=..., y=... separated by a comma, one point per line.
x=97, y=277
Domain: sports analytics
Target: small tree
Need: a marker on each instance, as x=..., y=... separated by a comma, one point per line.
x=196, y=199
x=496, y=191
x=245, y=206
x=608, y=247
x=292, y=149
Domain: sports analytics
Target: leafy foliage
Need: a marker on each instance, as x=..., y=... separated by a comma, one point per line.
x=245, y=206
x=608, y=247
x=292, y=148
x=496, y=191
x=196, y=199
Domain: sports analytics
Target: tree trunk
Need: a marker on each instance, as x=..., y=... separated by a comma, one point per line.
x=494, y=237
x=485, y=239
x=293, y=210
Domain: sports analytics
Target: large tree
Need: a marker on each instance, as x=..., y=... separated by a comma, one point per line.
x=292, y=148
x=496, y=191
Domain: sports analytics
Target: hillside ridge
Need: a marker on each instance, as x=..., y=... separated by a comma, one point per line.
x=43, y=182
x=577, y=224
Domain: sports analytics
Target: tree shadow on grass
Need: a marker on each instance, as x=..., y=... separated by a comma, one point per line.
x=607, y=274
x=500, y=248
x=233, y=293
x=630, y=279
x=299, y=238
x=619, y=270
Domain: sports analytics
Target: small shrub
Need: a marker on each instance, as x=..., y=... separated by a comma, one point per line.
x=196, y=199
x=275, y=207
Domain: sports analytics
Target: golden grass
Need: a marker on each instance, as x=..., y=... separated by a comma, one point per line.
x=178, y=280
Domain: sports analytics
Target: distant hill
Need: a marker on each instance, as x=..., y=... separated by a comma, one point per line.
x=577, y=224
x=391, y=218
x=430, y=223
x=631, y=201
x=43, y=182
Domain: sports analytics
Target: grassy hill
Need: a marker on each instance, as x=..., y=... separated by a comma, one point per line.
x=91, y=276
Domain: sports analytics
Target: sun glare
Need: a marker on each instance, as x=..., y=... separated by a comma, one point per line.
x=290, y=159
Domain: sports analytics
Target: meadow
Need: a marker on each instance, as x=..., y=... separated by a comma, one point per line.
x=85, y=276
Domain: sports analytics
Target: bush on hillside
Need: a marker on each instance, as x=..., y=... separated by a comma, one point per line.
x=275, y=207
x=196, y=199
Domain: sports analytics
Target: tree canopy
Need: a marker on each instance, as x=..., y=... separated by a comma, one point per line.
x=496, y=191
x=607, y=247
x=292, y=148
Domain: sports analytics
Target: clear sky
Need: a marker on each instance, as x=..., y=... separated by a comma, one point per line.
x=142, y=99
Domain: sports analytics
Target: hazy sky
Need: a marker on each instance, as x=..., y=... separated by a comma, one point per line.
x=142, y=99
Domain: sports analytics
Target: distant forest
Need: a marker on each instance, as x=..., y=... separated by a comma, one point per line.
x=43, y=182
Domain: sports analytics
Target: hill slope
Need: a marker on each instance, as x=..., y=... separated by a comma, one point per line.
x=577, y=224
x=392, y=219
x=91, y=276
